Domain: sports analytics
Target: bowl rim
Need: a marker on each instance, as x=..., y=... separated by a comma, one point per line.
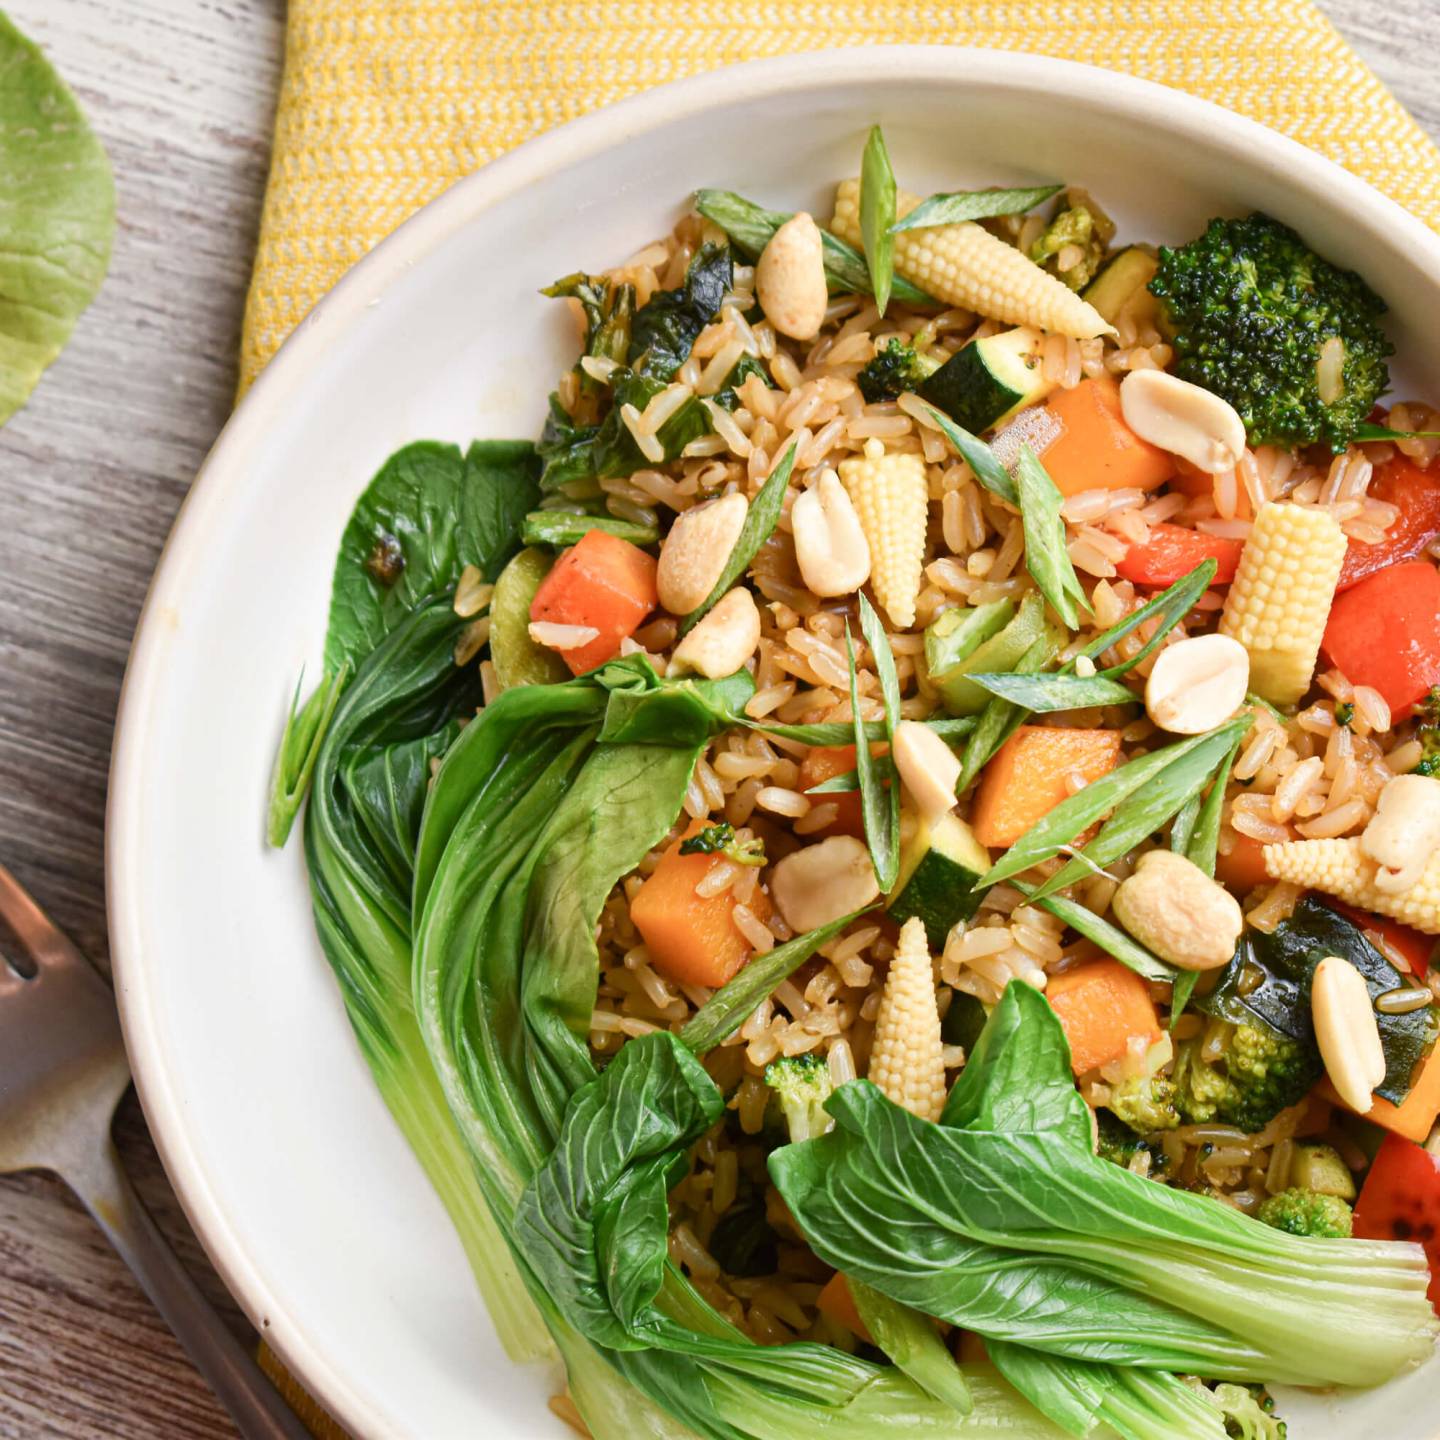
x=329, y=322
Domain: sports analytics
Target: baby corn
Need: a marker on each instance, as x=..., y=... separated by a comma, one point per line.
x=1281, y=596
x=907, y=1058
x=1342, y=869
x=892, y=500
x=966, y=265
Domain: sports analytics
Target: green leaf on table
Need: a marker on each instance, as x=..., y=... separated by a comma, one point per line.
x=880, y=802
x=300, y=743
x=760, y=521
x=950, y=208
x=877, y=215
x=429, y=511
x=750, y=227
x=57, y=216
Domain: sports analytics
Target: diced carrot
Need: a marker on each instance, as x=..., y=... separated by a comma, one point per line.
x=1244, y=867
x=1189, y=479
x=1096, y=449
x=1101, y=1005
x=824, y=762
x=1405, y=947
x=603, y=582
x=692, y=938
x=1030, y=776
x=836, y=1303
x=1415, y=1116
x=1172, y=552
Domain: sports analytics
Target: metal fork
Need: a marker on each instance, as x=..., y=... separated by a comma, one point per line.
x=62, y=1073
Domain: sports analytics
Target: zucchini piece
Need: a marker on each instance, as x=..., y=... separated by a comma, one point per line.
x=989, y=380
x=1117, y=284
x=1319, y=1168
x=999, y=654
x=518, y=660
x=939, y=871
x=963, y=1021
x=956, y=633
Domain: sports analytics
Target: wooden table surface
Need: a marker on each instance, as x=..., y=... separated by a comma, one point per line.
x=182, y=92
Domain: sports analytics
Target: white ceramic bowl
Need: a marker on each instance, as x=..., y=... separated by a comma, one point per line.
x=284, y=1156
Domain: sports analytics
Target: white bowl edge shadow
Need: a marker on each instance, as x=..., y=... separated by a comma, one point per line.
x=238, y=604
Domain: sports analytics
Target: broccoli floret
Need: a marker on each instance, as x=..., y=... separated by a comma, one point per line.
x=720, y=840
x=1119, y=1144
x=1249, y=1412
x=1251, y=305
x=1303, y=1212
x=1258, y=1074
x=1075, y=226
x=1427, y=732
x=1145, y=1103
x=896, y=368
x=802, y=1084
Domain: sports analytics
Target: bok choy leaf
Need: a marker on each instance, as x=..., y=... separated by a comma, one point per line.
x=429, y=511
x=1039, y=1242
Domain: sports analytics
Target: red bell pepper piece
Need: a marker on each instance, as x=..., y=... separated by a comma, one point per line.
x=1172, y=552
x=1385, y=632
x=1412, y=947
x=1400, y=1200
x=1416, y=493
x=603, y=582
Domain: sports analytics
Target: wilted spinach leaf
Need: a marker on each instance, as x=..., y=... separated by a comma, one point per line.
x=608, y=309
x=429, y=511
x=667, y=325
x=1286, y=961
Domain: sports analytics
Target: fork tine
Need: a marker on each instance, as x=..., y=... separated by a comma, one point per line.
x=38, y=936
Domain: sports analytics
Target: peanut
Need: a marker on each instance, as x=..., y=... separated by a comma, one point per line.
x=928, y=767
x=1347, y=1032
x=1197, y=684
x=790, y=279
x=724, y=640
x=1182, y=418
x=830, y=546
x=1174, y=907
x=1405, y=831
x=696, y=549
x=822, y=882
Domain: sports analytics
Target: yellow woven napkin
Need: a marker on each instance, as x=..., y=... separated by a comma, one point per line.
x=385, y=103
